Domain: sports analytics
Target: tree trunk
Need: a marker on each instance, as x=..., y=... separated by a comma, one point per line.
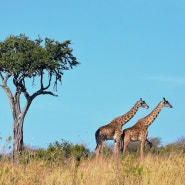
x=18, y=128
x=17, y=137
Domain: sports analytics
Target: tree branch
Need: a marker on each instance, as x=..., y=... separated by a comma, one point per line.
x=6, y=88
x=1, y=76
x=42, y=92
x=9, y=94
x=41, y=81
x=21, y=87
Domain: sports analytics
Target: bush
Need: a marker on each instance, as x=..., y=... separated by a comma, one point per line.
x=62, y=152
x=175, y=147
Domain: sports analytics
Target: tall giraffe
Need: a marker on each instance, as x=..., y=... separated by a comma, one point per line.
x=139, y=132
x=113, y=130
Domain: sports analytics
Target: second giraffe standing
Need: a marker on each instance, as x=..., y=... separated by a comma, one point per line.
x=139, y=132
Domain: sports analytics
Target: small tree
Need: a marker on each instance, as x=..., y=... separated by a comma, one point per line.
x=22, y=59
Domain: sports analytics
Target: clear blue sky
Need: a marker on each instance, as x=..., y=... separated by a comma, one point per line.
x=127, y=49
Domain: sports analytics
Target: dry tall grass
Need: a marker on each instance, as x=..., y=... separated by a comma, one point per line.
x=154, y=170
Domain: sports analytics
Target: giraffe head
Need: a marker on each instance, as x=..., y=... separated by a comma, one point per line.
x=166, y=103
x=142, y=103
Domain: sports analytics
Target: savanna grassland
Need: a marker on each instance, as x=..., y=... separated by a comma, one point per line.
x=63, y=163
x=129, y=170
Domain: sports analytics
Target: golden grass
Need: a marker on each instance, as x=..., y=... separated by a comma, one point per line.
x=154, y=170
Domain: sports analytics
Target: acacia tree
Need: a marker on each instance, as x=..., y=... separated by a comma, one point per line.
x=22, y=59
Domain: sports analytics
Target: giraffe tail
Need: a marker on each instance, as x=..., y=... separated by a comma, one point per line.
x=96, y=137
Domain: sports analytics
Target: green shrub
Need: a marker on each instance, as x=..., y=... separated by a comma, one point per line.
x=62, y=152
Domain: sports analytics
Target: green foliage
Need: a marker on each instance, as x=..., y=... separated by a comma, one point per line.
x=21, y=57
x=69, y=150
x=65, y=150
x=175, y=147
x=57, y=153
x=130, y=166
x=158, y=149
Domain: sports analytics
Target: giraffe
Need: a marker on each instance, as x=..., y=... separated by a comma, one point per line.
x=113, y=130
x=139, y=132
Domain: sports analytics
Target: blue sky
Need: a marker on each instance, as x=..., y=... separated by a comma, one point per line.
x=127, y=50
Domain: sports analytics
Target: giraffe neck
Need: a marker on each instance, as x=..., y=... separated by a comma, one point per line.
x=152, y=116
x=126, y=117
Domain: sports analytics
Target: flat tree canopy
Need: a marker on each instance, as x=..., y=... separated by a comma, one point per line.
x=21, y=59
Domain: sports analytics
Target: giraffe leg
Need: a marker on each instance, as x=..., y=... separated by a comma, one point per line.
x=99, y=141
x=142, y=148
x=116, y=148
x=98, y=148
x=126, y=141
